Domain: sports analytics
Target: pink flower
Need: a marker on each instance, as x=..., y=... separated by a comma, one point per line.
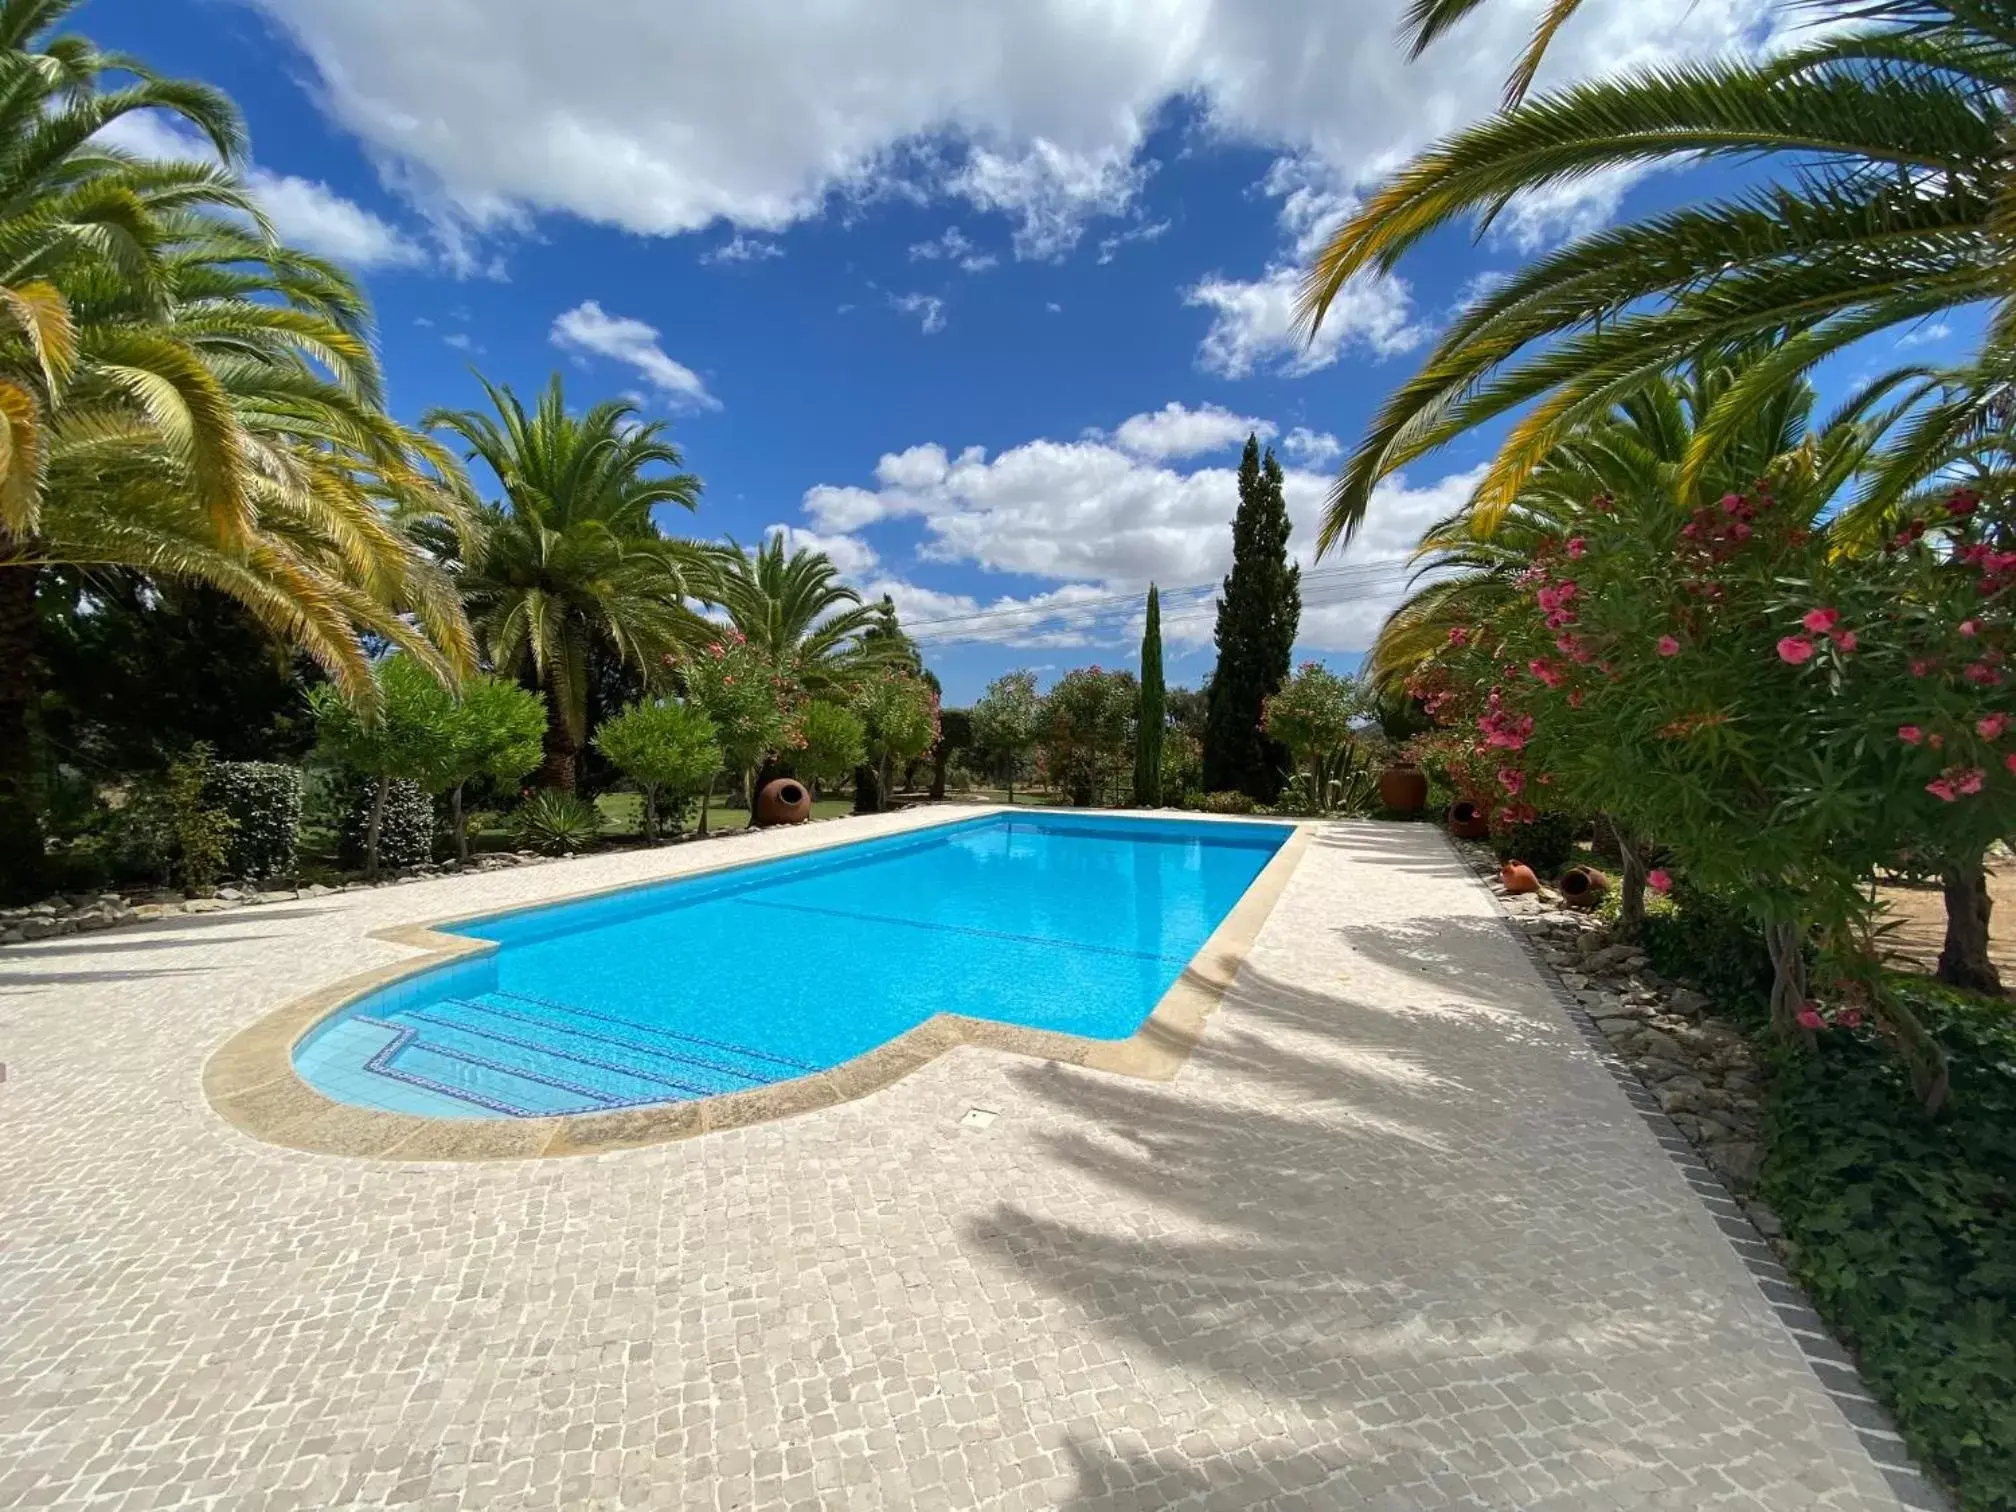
x=1795, y=649
x=1458, y=634
x=1658, y=881
x=1910, y=734
x=2009, y=761
x=1731, y=503
x=1963, y=502
x=1576, y=546
x=1970, y=627
x=1968, y=781
x=1547, y=674
x=1845, y=639
x=1991, y=726
x=1849, y=1018
x=1668, y=646
x=1981, y=674
x=1820, y=621
x=1512, y=780
x=1941, y=789
x=1808, y=1017
x=1921, y=666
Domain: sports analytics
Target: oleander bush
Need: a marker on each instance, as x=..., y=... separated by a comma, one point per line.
x=1546, y=842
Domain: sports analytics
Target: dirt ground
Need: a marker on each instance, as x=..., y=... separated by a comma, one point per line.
x=1921, y=912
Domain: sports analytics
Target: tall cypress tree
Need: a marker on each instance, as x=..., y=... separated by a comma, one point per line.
x=1258, y=615
x=1154, y=711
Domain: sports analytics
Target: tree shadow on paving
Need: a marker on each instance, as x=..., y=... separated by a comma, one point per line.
x=26, y=981
x=99, y=944
x=1413, y=848
x=1305, y=1244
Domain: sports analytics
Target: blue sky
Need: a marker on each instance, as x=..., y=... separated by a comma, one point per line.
x=842, y=247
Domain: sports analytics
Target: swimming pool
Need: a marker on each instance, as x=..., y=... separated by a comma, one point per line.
x=756, y=974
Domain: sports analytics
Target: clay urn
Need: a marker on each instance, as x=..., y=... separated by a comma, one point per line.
x=784, y=801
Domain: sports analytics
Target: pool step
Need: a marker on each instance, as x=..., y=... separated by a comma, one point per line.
x=530, y=1057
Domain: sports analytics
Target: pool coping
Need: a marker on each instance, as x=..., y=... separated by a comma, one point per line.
x=250, y=1081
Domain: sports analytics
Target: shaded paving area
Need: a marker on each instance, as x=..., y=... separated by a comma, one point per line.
x=1392, y=1239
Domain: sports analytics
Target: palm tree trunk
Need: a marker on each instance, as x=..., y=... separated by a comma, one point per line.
x=372, y=827
x=21, y=856
x=561, y=748
x=1964, y=960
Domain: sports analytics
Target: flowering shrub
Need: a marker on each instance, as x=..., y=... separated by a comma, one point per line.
x=1312, y=716
x=1781, y=715
x=1086, y=734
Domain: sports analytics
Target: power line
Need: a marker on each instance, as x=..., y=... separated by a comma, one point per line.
x=1139, y=595
x=1331, y=587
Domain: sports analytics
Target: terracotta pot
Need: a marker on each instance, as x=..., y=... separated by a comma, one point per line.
x=785, y=801
x=1583, y=886
x=1518, y=877
x=1403, y=788
x=1467, y=821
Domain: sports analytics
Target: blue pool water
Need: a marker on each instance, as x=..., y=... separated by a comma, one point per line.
x=719, y=983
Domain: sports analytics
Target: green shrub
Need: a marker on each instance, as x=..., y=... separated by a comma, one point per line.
x=1230, y=802
x=405, y=834
x=263, y=799
x=1905, y=1228
x=556, y=823
x=200, y=832
x=1707, y=939
x=1545, y=843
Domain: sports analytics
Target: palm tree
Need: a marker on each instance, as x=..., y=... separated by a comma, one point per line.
x=571, y=562
x=1896, y=203
x=797, y=612
x=181, y=395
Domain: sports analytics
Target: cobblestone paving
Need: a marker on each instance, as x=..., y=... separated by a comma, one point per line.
x=1393, y=1239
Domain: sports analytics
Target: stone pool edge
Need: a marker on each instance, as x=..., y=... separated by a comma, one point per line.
x=250, y=1081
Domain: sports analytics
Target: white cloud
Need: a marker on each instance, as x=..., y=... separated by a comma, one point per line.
x=1311, y=448
x=1109, y=246
x=1035, y=112
x=1253, y=324
x=1053, y=307
x=954, y=246
x=305, y=213
x=740, y=248
x=928, y=308
x=462, y=341
x=1925, y=335
x=1174, y=431
x=1564, y=211
x=1096, y=520
x=589, y=330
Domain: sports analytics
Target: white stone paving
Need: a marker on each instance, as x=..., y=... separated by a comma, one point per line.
x=1393, y=1239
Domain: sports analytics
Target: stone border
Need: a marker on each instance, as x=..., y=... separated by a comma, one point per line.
x=251, y=1082
x=1829, y=1361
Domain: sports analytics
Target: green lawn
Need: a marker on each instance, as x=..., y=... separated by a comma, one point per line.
x=622, y=813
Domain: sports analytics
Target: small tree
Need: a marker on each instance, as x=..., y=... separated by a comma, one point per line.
x=408, y=735
x=748, y=700
x=899, y=718
x=955, y=734
x=1006, y=721
x=1312, y=716
x=662, y=747
x=1153, y=722
x=496, y=729
x=1087, y=722
x=830, y=741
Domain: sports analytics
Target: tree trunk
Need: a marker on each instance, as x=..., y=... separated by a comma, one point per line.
x=372, y=827
x=706, y=795
x=1963, y=960
x=1631, y=896
x=867, y=790
x=1788, y=981
x=650, y=813
x=938, y=762
x=558, y=770
x=460, y=821
x=21, y=853
x=882, y=784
